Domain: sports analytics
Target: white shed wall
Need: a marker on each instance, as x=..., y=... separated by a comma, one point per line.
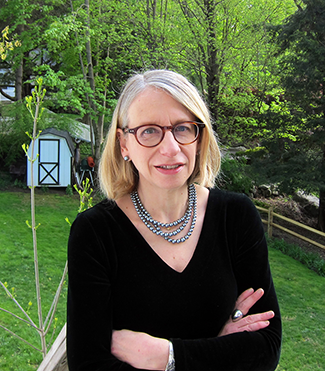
x=52, y=150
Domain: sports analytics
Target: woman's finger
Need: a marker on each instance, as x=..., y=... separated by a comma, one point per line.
x=247, y=299
x=255, y=322
x=244, y=295
x=254, y=318
x=254, y=326
x=249, y=323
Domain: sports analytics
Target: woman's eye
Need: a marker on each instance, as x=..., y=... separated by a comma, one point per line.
x=182, y=128
x=149, y=130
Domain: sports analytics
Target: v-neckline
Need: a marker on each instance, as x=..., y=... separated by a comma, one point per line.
x=135, y=235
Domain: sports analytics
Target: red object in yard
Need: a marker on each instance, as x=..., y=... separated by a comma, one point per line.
x=91, y=162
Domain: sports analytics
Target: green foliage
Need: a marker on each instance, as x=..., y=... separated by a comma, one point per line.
x=5, y=180
x=127, y=36
x=14, y=122
x=44, y=189
x=86, y=200
x=287, y=155
x=6, y=44
x=69, y=190
x=236, y=121
x=229, y=56
x=18, y=183
x=300, y=41
x=312, y=260
x=235, y=175
x=295, y=126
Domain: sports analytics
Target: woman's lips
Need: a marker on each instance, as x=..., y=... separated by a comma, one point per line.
x=170, y=169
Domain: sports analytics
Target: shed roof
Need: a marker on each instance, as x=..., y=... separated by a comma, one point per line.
x=63, y=134
x=80, y=131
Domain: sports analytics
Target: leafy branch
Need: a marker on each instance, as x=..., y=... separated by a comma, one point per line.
x=6, y=44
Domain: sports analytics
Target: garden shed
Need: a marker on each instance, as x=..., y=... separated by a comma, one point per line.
x=53, y=166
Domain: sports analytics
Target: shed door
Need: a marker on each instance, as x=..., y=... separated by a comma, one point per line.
x=49, y=162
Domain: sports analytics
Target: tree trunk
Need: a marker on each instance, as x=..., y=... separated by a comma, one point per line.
x=88, y=119
x=212, y=65
x=321, y=213
x=19, y=72
x=91, y=79
x=19, y=82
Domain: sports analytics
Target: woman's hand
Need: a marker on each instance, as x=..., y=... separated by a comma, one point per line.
x=252, y=322
x=140, y=350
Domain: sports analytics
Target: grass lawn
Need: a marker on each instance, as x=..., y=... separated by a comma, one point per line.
x=301, y=294
x=17, y=269
x=300, y=290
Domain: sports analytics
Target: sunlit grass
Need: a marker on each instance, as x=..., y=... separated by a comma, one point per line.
x=17, y=269
x=301, y=294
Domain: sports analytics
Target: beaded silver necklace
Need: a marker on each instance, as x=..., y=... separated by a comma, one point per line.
x=155, y=226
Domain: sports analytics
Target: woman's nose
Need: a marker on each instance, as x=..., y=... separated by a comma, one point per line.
x=169, y=146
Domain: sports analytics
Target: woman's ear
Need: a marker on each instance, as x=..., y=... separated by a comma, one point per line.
x=122, y=140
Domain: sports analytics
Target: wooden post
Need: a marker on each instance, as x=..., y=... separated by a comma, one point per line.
x=270, y=221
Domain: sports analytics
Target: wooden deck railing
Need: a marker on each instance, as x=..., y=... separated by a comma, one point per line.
x=56, y=358
x=270, y=224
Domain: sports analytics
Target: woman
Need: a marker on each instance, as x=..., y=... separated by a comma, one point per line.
x=168, y=273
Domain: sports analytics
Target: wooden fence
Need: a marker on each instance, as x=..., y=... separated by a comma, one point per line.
x=270, y=224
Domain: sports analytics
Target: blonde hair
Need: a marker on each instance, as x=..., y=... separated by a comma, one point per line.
x=118, y=177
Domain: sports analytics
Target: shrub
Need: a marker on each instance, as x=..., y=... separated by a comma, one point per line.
x=312, y=260
x=235, y=175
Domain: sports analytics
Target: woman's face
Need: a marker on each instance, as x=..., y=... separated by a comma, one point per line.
x=169, y=164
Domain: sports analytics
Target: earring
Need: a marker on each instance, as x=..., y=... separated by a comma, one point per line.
x=126, y=158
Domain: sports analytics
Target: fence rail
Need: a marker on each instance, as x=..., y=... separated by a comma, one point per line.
x=270, y=224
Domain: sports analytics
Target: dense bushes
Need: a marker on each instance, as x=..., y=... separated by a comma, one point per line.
x=235, y=175
x=14, y=123
x=312, y=260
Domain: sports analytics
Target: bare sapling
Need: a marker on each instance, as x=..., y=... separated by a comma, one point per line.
x=34, y=106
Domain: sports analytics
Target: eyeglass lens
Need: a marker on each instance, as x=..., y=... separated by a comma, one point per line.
x=151, y=135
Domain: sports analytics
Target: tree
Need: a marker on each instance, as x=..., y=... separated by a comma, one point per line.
x=86, y=49
x=97, y=45
x=88, y=45
x=229, y=57
x=28, y=21
x=297, y=145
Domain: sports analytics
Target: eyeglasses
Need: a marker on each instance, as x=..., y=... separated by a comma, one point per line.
x=151, y=135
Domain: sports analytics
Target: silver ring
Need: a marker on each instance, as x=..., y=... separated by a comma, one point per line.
x=236, y=315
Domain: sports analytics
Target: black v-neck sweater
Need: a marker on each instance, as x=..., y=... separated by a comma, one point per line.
x=116, y=281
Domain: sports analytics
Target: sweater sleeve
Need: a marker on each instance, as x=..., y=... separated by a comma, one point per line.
x=254, y=351
x=89, y=318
